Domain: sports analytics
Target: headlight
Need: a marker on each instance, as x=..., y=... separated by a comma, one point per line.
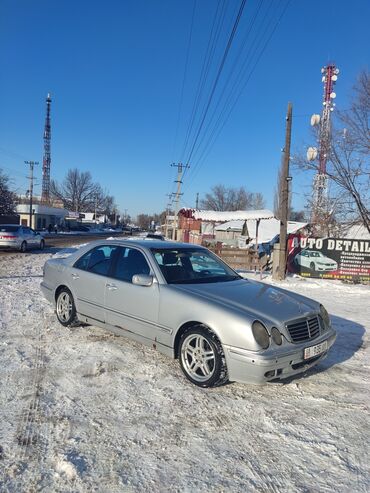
x=325, y=316
x=276, y=336
x=260, y=334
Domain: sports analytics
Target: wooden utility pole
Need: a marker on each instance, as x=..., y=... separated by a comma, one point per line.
x=197, y=201
x=31, y=164
x=284, y=197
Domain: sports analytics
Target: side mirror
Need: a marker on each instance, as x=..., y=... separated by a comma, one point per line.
x=142, y=280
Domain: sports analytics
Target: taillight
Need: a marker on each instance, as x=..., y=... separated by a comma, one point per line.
x=8, y=237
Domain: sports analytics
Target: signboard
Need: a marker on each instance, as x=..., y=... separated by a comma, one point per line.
x=329, y=258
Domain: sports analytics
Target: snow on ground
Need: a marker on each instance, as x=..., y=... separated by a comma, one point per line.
x=83, y=410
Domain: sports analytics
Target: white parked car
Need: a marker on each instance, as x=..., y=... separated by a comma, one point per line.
x=315, y=260
x=20, y=238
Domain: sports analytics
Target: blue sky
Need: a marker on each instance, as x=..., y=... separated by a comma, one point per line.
x=115, y=70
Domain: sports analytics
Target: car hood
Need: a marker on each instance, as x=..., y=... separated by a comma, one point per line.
x=254, y=299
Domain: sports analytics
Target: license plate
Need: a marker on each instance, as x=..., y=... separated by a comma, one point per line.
x=312, y=351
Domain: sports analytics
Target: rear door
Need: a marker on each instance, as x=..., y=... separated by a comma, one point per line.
x=28, y=236
x=88, y=279
x=129, y=306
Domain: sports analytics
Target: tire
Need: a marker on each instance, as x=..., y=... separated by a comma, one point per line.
x=65, y=308
x=201, y=357
x=42, y=244
x=23, y=248
x=312, y=266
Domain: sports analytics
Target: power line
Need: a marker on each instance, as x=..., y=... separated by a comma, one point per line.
x=185, y=73
x=210, y=51
x=222, y=64
x=222, y=120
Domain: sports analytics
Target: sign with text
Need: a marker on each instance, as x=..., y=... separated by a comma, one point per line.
x=329, y=258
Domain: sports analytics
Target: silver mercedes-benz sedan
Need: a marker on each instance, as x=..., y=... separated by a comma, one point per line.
x=186, y=302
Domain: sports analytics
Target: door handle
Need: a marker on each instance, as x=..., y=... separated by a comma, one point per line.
x=75, y=276
x=111, y=287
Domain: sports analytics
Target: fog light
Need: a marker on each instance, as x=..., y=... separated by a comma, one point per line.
x=276, y=336
x=270, y=374
x=260, y=334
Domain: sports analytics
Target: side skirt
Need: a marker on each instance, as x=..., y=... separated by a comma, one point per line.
x=120, y=331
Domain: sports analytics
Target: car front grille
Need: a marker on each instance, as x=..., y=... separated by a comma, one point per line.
x=304, y=329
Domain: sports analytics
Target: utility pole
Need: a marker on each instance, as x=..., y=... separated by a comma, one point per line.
x=284, y=197
x=31, y=165
x=96, y=206
x=197, y=201
x=180, y=169
x=168, y=208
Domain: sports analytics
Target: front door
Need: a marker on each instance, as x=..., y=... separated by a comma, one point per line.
x=89, y=277
x=129, y=306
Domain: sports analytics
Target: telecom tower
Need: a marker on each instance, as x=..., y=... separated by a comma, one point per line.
x=320, y=183
x=45, y=195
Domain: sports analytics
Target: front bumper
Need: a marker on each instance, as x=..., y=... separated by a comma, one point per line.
x=326, y=268
x=258, y=368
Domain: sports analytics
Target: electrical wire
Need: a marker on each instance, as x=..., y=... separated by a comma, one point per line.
x=185, y=73
x=222, y=119
x=219, y=72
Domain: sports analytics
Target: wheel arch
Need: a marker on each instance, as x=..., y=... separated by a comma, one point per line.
x=59, y=289
x=183, y=328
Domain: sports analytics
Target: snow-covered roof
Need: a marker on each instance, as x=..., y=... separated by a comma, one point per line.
x=223, y=216
x=267, y=229
x=42, y=209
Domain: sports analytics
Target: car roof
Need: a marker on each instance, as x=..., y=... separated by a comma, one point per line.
x=146, y=243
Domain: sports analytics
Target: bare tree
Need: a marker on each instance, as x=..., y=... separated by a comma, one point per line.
x=144, y=221
x=348, y=167
x=80, y=194
x=231, y=199
x=7, y=198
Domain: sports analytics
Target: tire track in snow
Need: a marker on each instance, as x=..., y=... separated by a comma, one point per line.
x=33, y=429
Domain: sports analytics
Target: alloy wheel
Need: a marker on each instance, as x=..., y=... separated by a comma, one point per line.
x=64, y=307
x=198, y=357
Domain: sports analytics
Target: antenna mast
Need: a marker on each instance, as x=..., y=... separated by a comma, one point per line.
x=45, y=195
x=320, y=184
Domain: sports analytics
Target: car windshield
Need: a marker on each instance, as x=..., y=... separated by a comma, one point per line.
x=316, y=254
x=192, y=266
x=9, y=229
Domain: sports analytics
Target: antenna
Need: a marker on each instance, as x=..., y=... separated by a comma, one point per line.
x=320, y=183
x=45, y=194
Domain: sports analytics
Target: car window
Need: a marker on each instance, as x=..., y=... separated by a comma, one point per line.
x=9, y=229
x=26, y=231
x=98, y=260
x=193, y=266
x=130, y=262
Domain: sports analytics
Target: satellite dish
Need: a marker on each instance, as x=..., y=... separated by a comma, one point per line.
x=333, y=95
x=334, y=78
x=336, y=71
x=315, y=120
x=311, y=153
x=323, y=79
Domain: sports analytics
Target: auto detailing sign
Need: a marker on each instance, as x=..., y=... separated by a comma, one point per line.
x=329, y=258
